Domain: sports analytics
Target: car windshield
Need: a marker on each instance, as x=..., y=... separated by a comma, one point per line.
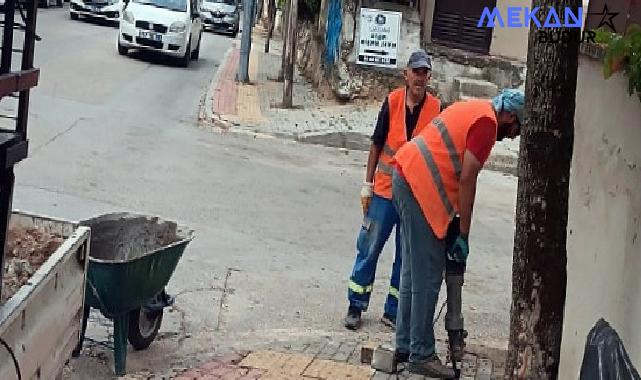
x=174, y=5
x=228, y=2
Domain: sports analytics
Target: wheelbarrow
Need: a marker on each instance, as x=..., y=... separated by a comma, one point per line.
x=131, y=259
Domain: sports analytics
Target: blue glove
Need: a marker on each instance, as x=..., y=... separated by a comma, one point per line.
x=460, y=249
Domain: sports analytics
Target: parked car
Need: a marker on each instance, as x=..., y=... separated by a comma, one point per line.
x=107, y=10
x=170, y=27
x=50, y=3
x=222, y=16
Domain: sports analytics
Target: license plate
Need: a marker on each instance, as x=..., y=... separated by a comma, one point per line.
x=150, y=35
x=95, y=8
x=218, y=20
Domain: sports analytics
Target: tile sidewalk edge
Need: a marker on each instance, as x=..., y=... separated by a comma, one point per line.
x=207, y=113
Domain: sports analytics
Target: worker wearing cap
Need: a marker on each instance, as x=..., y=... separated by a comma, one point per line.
x=405, y=112
x=434, y=180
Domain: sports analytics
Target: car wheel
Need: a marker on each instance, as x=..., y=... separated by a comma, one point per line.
x=184, y=61
x=121, y=49
x=74, y=16
x=196, y=53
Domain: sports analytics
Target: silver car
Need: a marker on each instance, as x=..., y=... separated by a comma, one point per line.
x=221, y=16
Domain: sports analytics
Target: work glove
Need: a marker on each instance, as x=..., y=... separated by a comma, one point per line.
x=459, y=250
x=366, y=196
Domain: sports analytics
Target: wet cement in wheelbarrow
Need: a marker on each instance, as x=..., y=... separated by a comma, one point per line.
x=126, y=237
x=27, y=249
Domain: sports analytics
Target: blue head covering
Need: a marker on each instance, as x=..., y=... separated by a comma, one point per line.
x=510, y=100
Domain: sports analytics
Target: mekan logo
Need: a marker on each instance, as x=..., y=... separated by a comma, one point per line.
x=548, y=21
x=519, y=17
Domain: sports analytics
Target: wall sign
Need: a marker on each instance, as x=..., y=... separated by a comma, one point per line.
x=379, y=38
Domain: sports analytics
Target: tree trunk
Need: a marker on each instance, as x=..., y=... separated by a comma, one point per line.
x=539, y=266
x=281, y=73
x=271, y=19
x=290, y=61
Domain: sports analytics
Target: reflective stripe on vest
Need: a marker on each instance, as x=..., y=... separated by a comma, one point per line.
x=384, y=168
x=397, y=136
x=432, y=162
x=436, y=174
x=388, y=150
x=451, y=149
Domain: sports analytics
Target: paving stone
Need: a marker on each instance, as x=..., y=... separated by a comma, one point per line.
x=269, y=375
x=313, y=349
x=293, y=364
x=328, y=369
x=345, y=350
x=254, y=374
x=383, y=376
x=328, y=352
x=498, y=369
x=484, y=370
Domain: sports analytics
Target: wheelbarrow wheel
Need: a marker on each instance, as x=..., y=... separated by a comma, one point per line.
x=143, y=327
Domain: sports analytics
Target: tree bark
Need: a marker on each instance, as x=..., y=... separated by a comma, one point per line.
x=271, y=19
x=539, y=262
x=281, y=73
x=290, y=58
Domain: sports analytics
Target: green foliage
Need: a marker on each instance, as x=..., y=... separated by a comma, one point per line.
x=623, y=53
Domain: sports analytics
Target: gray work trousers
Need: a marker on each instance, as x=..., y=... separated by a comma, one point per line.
x=423, y=258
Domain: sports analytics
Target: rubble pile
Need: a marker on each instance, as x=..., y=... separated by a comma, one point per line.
x=27, y=250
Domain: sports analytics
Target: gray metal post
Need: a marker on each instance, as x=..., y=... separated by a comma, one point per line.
x=245, y=43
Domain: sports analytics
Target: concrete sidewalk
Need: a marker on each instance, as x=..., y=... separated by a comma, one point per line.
x=255, y=108
x=320, y=360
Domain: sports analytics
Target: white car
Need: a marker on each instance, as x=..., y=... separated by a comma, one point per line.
x=108, y=10
x=170, y=27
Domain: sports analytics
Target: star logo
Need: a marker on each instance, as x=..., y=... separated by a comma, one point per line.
x=606, y=18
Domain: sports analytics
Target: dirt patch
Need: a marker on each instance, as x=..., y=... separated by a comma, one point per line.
x=122, y=237
x=27, y=250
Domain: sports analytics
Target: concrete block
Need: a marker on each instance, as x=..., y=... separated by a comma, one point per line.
x=474, y=88
x=384, y=359
x=367, y=353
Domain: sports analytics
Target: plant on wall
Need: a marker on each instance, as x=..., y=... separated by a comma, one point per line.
x=623, y=53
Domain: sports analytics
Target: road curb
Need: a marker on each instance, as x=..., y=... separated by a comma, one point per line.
x=207, y=114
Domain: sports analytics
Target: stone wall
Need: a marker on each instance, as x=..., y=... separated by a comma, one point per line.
x=453, y=63
x=348, y=81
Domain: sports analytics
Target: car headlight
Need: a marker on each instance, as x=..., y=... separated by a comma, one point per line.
x=228, y=18
x=177, y=27
x=128, y=17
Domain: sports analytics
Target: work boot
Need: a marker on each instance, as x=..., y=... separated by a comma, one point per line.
x=353, y=319
x=432, y=367
x=388, y=321
x=401, y=357
x=457, y=344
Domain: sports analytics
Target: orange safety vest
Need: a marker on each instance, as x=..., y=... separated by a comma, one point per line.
x=432, y=162
x=397, y=136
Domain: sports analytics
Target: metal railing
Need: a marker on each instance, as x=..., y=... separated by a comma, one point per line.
x=18, y=27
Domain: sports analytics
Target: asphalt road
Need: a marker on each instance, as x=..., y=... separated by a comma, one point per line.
x=275, y=221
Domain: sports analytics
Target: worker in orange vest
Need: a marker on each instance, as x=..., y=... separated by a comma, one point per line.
x=405, y=112
x=434, y=181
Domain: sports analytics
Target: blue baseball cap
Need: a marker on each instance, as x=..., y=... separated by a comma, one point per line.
x=420, y=60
